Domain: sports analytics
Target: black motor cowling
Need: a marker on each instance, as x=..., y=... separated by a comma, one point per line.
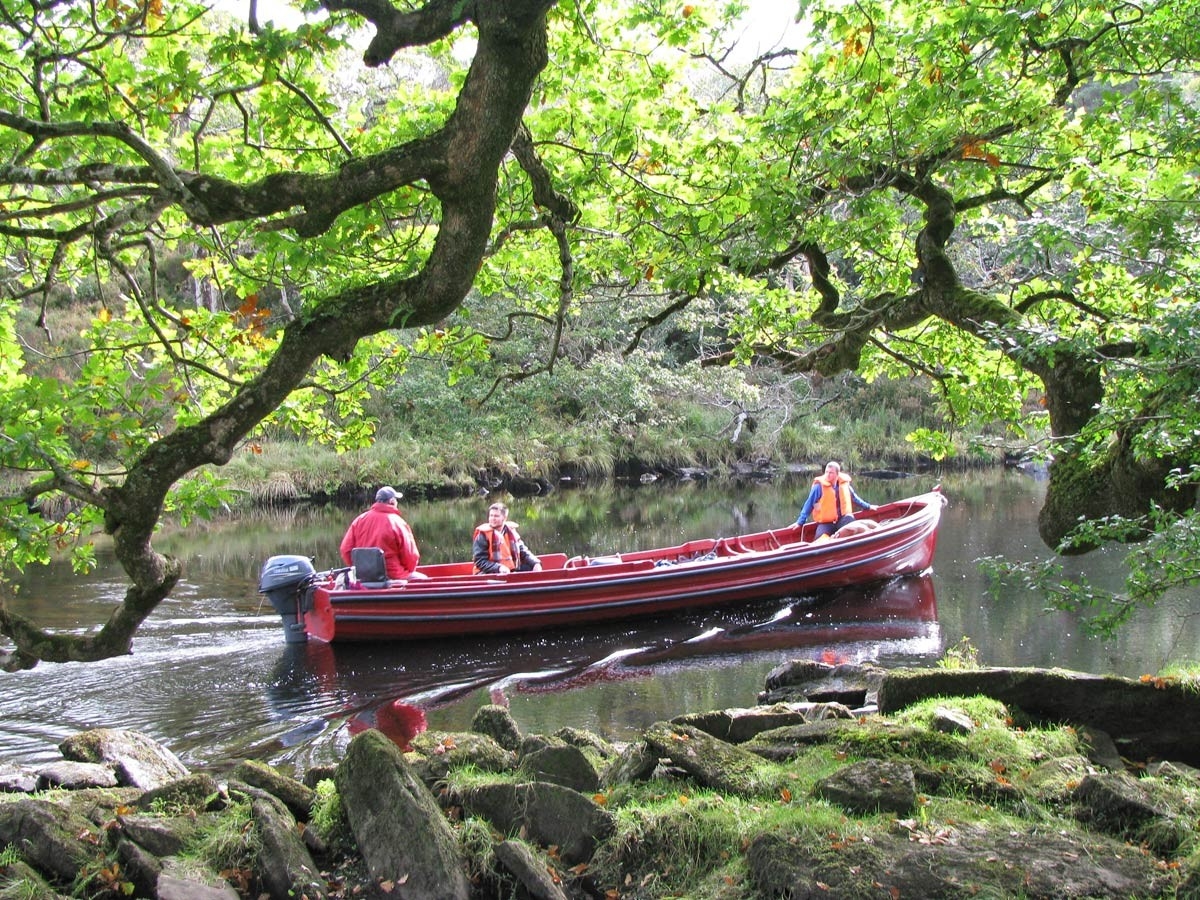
x=284, y=580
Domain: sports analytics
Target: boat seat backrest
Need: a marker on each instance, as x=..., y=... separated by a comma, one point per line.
x=369, y=566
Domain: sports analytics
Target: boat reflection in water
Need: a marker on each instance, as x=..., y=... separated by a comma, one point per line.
x=380, y=685
x=394, y=687
x=898, y=617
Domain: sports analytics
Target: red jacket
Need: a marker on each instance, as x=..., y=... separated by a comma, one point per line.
x=382, y=526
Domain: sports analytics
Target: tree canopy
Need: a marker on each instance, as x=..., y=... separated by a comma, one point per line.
x=1002, y=198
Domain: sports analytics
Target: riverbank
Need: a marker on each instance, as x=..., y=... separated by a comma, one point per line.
x=842, y=783
x=442, y=448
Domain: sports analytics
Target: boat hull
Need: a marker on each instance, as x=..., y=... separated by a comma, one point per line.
x=899, y=538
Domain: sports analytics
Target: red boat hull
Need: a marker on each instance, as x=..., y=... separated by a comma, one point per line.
x=901, y=540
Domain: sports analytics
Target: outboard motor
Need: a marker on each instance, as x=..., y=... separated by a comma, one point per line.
x=285, y=580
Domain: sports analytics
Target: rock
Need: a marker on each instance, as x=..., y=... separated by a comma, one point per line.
x=546, y=813
x=140, y=867
x=446, y=751
x=162, y=836
x=567, y=766
x=317, y=774
x=401, y=833
x=17, y=779
x=1147, y=719
x=284, y=864
x=1127, y=808
x=138, y=760
x=737, y=726
x=780, y=744
x=1174, y=771
x=850, y=684
x=521, y=862
x=19, y=876
x=173, y=887
x=951, y=721
x=196, y=792
x=633, y=764
x=75, y=775
x=872, y=785
x=297, y=797
x=585, y=740
x=1055, y=780
x=711, y=762
x=49, y=837
x=497, y=723
x=1101, y=748
x=945, y=864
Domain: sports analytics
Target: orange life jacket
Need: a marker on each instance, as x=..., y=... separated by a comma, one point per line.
x=502, y=545
x=826, y=508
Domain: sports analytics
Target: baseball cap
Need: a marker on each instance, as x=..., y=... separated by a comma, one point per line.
x=387, y=495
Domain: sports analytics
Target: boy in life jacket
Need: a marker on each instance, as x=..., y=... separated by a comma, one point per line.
x=498, y=549
x=831, y=501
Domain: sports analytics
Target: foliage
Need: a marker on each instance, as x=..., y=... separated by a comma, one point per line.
x=579, y=209
x=962, y=655
x=328, y=816
x=231, y=843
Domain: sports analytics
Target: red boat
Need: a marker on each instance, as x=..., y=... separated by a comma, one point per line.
x=893, y=539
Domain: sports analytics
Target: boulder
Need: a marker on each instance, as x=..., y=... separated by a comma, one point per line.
x=739, y=725
x=1148, y=719
x=400, y=830
x=137, y=760
x=548, y=814
x=711, y=762
x=523, y=865
x=446, y=751
x=635, y=763
x=296, y=796
x=497, y=723
x=74, y=775
x=195, y=792
x=850, y=684
x=49, y=837
x=945, y=863
x=284, y=863
x=17, y=779
x=567, y=766
x=586, y=740
x=872, y=785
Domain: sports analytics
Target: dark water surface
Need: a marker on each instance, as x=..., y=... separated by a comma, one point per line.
x=211, y=678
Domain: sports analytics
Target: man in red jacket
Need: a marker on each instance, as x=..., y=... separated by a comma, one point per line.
x=382, y=526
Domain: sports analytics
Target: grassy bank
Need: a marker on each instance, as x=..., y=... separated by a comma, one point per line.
x=437, y=443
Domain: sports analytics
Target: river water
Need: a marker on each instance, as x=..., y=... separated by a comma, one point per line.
x=211, y=678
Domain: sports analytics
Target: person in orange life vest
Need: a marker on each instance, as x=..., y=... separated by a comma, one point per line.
x=831, y=501
x=498, y=549
x=382, y=526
